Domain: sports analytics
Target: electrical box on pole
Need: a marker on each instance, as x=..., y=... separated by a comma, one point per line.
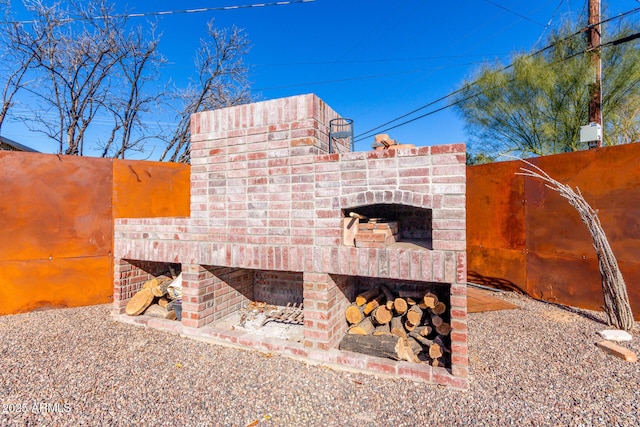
x=591, y=134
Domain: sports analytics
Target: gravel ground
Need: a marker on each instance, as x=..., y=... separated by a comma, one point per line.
x=537, y=366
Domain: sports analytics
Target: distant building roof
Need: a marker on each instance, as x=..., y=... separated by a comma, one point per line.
x=9, y=145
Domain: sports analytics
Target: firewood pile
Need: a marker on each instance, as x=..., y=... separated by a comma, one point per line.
x=408, y=326
x=159, y=297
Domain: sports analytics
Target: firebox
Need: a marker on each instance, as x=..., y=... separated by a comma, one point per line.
x=275, y=216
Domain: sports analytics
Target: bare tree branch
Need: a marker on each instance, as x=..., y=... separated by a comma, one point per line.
x=129, y=101
x=77, y=60
x=221, y=82
x=15, y=62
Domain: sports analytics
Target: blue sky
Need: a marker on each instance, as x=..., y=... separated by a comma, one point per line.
x=370, y=60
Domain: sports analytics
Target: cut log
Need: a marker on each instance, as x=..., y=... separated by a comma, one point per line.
x=397, y=327
x=439, y=308
x=409, y=326
x=387, y=293
x=367, y=296
x=164, y=302
x=436, y=320
x=414, y=315
x=381, y=315
x=400, y=306
x=443, y=329
x=405, y=351
x=439, y=340
x=382, y=330
x=354, y=314
x=378, y=346
x=435, y=351
x=139, y=302
x=422, y=340
x=415, y=295
x=430, y=299
x=154, y=310
x=151, y=283
x=363, y=328
x=389, y=305
x=410, y=301
x=423, y=330
x=373, y=304
x=161, y=289
x=414, y=345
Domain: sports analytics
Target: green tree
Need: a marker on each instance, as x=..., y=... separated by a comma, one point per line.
x=536, y=106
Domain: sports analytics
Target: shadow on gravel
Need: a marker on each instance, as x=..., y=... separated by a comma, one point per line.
x=579, y=312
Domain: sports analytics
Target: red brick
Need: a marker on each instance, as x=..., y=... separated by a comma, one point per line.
x=380, y=365
x=458, y=336
x=416, y=372
x=460, y=371
x=441, y=376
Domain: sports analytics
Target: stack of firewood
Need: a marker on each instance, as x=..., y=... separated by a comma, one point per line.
x=156, y=298
x=408, y=326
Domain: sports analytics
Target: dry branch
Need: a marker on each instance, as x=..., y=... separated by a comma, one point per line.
x=614, y=289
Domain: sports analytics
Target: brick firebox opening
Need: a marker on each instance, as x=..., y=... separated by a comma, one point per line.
x=381, y=225
x=266, y=196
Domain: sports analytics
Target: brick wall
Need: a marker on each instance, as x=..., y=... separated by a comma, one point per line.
x=129, y=276
x=265, y=199
x=278, y=287
x=326, y=297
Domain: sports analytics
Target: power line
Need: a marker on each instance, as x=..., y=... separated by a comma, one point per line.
x=369, y=61
x=364, y=135
x=369, y=132
x=171, y=12
x=514, y=13
x=374, y=76
x=548, y=23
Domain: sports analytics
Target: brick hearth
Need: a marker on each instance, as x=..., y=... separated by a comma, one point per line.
x=268, y=207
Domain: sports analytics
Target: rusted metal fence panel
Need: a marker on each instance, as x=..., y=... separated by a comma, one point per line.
x=150, y=189
x=559, y=262
x=496, y=239
x=56, y=217
x=57, y=231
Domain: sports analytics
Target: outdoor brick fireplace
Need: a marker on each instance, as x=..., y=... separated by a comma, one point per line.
x=269, y=221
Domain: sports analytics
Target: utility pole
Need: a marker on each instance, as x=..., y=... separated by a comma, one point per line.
x=593, y=47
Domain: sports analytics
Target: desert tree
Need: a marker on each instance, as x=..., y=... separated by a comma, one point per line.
x=536, y=105
x=221, y=81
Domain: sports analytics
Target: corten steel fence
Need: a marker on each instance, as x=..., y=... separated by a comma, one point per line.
x=56, y=217
x=522, y=235
x=57, y=212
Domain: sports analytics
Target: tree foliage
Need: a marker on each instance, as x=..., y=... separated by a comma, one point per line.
x=537, y=105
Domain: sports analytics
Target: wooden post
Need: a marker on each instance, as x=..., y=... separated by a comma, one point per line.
x=593, y=47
